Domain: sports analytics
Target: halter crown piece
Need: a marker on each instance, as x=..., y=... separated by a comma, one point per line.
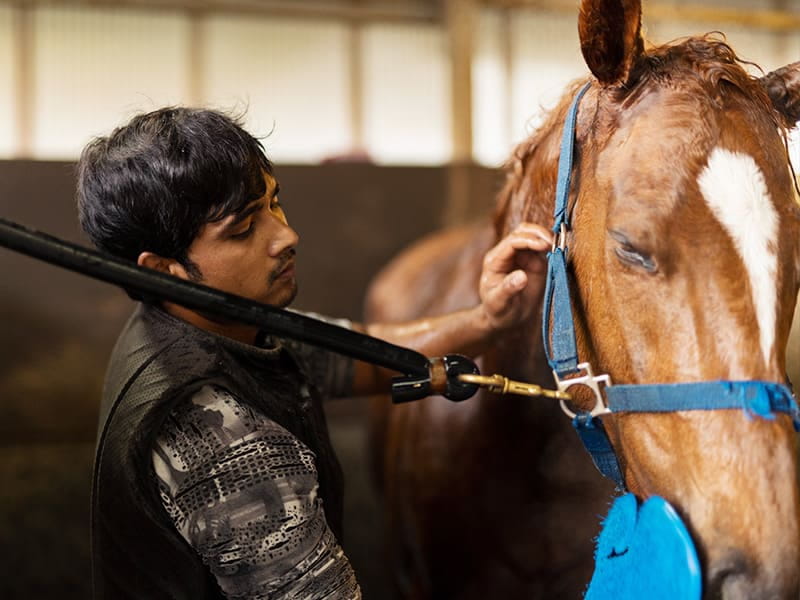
x=757, y=398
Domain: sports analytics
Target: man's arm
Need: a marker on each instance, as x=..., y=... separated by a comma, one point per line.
x=243, y=492
x=511, y=288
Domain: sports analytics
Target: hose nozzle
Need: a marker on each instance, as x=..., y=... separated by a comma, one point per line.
x=442, y=378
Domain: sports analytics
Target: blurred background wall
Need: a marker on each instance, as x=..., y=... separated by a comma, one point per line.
x=387, y=119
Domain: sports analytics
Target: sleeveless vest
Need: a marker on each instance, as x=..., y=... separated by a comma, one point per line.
x=158, y=361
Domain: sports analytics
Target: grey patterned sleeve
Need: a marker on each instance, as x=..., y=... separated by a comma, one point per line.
x=243, y=492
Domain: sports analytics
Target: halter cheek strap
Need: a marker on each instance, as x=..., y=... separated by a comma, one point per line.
x=563, y=354
x=756, y=398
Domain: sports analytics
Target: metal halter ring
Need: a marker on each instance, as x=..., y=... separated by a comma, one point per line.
x=591, y=381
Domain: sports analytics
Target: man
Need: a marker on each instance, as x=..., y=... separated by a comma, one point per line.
x=214, y=475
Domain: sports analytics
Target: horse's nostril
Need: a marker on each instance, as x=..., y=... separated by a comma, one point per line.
x=725, y=575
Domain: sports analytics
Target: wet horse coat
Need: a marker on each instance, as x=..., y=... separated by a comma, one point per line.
x=686, y=263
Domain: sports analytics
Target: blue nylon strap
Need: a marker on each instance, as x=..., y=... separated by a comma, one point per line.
x=565, y=162
x=757, y=398
x=593, y=435
x=562, y=354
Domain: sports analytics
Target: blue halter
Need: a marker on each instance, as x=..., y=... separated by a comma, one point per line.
x=756, y=398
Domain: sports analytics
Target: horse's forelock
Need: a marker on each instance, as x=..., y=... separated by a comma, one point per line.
x=708, y=61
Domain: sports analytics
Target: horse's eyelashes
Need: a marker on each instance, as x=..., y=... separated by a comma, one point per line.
x=629, y=254
x=636, y=258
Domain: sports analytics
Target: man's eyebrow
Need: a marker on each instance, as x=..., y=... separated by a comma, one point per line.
x=276, y=190
x=239, y=217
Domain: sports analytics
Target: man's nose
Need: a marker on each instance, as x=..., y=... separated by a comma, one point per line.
x=285, y=238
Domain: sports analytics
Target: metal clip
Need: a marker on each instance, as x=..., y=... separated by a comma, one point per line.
x=591, y=381
x=560, y=240
x=503, y=385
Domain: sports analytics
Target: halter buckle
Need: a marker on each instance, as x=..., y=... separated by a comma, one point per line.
x=590, y=380
x=560, y=240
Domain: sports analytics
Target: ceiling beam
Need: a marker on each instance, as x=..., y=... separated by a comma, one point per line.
x=430, y=11
x=772, y=20
x=410, y=11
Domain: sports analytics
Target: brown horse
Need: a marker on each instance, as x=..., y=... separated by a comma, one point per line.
x=685, y=262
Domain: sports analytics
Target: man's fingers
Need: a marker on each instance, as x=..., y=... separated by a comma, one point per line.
x=527, y=236
x=498, y=298
x=535, y=229
x=507, y=272
x=504, y=255
x=515, y=281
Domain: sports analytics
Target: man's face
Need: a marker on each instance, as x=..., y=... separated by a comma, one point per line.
x=250, y=253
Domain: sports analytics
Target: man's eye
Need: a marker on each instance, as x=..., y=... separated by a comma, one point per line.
x=245, y=233
x=275, y=205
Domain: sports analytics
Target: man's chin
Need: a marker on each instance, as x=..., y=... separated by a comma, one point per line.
x=287, y=297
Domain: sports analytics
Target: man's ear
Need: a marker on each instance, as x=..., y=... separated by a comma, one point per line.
x=170, y=266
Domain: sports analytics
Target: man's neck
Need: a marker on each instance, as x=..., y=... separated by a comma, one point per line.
x=236, y=331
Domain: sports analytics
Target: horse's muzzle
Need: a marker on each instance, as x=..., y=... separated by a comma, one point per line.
x=734, y=577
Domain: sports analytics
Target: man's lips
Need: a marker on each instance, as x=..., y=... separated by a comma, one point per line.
x=286, y=271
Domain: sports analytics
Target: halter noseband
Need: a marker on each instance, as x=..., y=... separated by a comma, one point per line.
x=756, y=398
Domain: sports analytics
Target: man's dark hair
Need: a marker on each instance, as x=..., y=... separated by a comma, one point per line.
x=153, y=183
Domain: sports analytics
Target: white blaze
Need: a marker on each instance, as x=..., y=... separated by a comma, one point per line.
x=735, y=190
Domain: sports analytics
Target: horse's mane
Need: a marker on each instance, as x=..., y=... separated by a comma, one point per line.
x=705, y=61
x=521, y=186
x=708, y=61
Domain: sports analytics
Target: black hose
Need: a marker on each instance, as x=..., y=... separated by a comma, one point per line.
x=192, y=295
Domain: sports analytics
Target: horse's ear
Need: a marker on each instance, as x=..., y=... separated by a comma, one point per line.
x=611, y=40
x=783, y=88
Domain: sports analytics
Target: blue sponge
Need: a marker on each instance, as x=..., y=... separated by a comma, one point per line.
x=644, y=552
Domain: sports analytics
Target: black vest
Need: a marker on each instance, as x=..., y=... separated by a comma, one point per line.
x=158, y=361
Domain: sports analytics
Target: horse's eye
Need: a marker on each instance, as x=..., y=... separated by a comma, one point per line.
x=630, y=255
x=633, y=257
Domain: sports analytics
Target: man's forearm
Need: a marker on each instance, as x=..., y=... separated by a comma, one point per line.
x=465, y=332
x=511, y=286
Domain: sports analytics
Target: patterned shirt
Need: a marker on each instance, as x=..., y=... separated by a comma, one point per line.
x=242, y=491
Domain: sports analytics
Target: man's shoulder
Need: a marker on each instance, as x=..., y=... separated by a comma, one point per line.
x=145, y=330
x=213, y=431
x=146, y=335
x=152, y=355
x=215, y=410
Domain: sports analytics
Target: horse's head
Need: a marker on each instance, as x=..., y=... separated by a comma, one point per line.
x=686, y=257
